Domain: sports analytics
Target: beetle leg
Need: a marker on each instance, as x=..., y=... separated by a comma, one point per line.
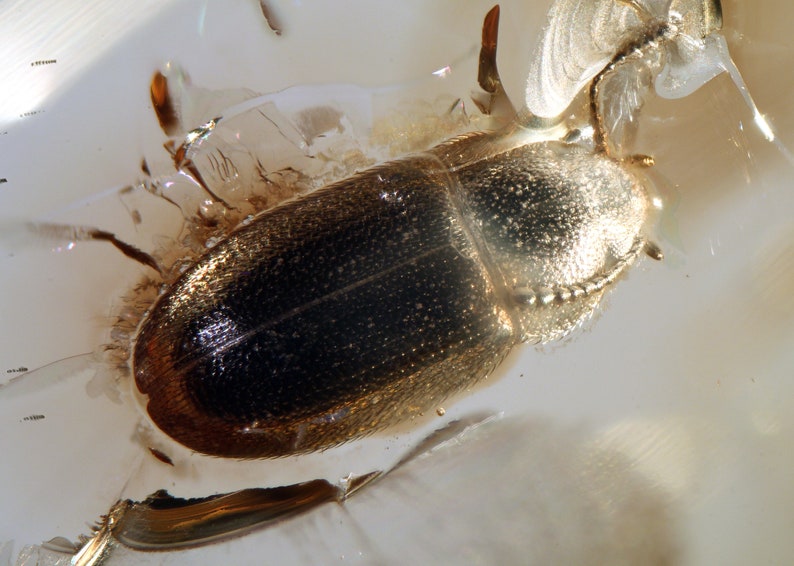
x=632, y=48
x=273, y=21
x=85, y=233
x=164, y=106
x=495, y=101
x=640, y=159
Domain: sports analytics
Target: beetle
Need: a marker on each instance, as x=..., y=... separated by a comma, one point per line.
x=370, y=301
x=373, y=299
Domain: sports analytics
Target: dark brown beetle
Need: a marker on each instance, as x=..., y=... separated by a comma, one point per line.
x=373, y=299
x=370, y=301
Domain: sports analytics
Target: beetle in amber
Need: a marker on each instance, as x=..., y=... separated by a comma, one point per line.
x=372, y=300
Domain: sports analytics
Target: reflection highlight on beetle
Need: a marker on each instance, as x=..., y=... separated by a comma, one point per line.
x=370, y=301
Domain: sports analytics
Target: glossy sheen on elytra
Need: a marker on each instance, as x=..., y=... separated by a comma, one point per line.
x=374, y=299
